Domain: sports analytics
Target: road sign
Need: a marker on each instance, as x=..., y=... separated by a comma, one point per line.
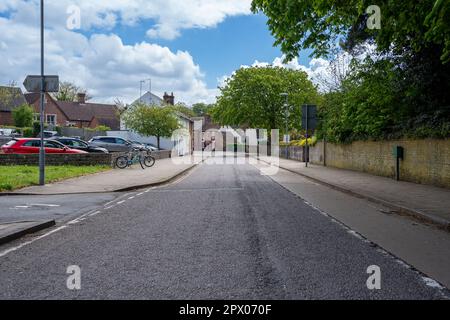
x=33, y=84
x=309, y=117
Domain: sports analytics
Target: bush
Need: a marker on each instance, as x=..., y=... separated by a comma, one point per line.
x=100, y=128
x=37, y=128
x=23, y=116
x=28, y=132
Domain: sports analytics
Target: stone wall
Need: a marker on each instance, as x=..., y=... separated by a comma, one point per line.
x=89, y=159
x=425, y=161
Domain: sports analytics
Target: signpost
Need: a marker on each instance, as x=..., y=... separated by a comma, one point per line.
x=34, y=83
x=42, y=84
x=309, y=122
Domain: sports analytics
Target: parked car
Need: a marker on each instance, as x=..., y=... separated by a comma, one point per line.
x=50, y=134
x=9, y=132
x=79, y=144
x=145, y=146
x=113, y=144
x=26, y=145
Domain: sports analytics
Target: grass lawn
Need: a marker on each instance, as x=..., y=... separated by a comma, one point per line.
x=15, y=177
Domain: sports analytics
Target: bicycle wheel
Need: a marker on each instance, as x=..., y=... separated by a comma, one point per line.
x=149, y=161
x=141, y=162
x=122, y=162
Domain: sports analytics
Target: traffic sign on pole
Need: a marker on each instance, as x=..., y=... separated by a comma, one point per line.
x=33, y=84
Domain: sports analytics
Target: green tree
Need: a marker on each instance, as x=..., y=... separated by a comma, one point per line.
x=319, y=24
x=252, y=98
x=202, y=109
x=408, y=78
x=151, y=121
x=68, y=92
x=184, y=109
x=23, y=116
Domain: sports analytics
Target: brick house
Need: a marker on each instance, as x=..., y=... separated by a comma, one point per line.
x=10, y=98
x=80, y=114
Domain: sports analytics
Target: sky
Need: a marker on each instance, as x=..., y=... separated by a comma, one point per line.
x=107, y=47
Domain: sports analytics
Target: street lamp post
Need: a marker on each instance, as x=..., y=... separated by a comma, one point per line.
x=42, y=94
x=286, y=113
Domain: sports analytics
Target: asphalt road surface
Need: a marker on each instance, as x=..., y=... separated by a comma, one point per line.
x=223, y=232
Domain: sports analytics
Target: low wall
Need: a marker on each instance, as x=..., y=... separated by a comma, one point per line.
x=425, y=161
x=89, y=159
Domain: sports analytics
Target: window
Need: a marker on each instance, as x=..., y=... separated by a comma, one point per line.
x=50, y=119
x=36, y=117
x=108, y=140
x=120, y=141
x=75, y=143
x=32, y=143
x=53, y=144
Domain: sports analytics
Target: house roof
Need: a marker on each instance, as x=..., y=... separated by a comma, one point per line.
x=10, y=98
x=32, y=97
x=150, y=99
x=106, y=114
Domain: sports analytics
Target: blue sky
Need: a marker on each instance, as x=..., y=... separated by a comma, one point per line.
x=185, y=47
x=219, y=50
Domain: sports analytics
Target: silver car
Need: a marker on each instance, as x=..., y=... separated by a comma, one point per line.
x=113, y=144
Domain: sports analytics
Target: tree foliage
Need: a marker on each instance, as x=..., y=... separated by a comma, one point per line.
x=371, y=104
x=320, y=24
x=23, y=116
x=68, y=92
x=184, y=109
x=151, y=120
x=401, y=89
x=202, y=109
x=252, y=98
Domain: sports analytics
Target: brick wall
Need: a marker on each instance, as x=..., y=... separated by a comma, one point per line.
x=425, y=161
x=107, y=159
x=6, y=118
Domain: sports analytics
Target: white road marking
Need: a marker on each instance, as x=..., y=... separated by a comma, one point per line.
x=111, y=202
x=4, y=253
x=140, y=194
x=120, y=202
x=44, y=205
x=131, y=198
x=110, y=207
x=94, y=214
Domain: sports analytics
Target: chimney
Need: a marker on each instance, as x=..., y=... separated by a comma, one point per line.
x=169, y=99
x=81, y=97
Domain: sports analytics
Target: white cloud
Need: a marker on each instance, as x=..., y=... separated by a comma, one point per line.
x=323, y=73
x=102, y=63
x=169, y=17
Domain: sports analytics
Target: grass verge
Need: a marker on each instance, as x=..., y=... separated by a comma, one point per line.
x=16, y=177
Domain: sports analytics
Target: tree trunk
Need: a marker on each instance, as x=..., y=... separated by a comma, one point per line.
x=158, y=139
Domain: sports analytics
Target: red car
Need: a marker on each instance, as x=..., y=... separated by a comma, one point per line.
x=33, y=145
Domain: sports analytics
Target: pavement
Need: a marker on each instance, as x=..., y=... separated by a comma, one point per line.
x=222, y=232
x=429, y=203
x=116, y=180
x=15, y=230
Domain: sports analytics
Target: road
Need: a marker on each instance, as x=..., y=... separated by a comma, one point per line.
x=223, y=232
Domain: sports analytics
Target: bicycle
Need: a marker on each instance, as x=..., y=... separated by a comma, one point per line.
x=133, y=157
x=149, y=160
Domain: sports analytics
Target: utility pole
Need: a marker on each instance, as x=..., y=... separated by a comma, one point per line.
x=141, y=83
x=42, y=149
x=140, y=90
